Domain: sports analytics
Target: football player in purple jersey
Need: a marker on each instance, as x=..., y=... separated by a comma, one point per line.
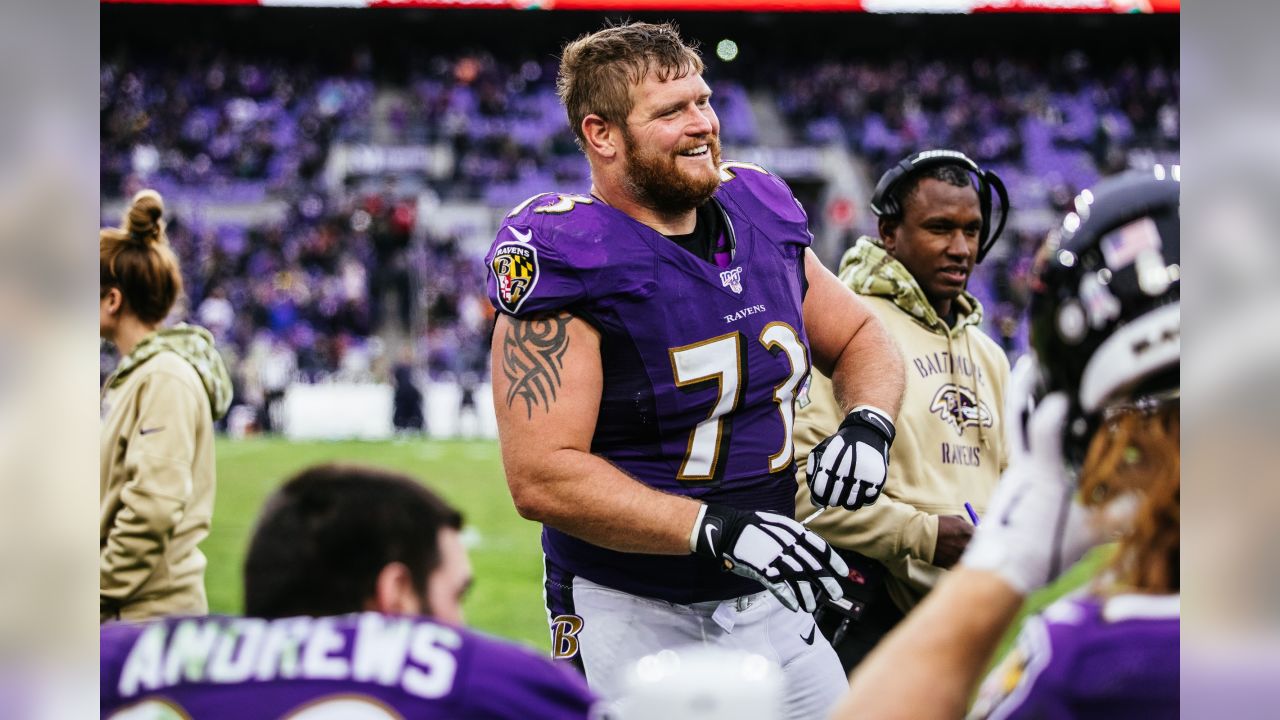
x=1094, y=416
x=353, y=587
x=651, y=338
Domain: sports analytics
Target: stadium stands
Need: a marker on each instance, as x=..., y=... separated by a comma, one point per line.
x=309, y=192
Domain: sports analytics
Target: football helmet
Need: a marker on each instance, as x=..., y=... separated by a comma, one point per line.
x=1105, y=320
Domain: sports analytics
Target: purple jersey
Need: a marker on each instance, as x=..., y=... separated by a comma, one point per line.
x=701, y=363
x=1086, y=657
x=360, y=667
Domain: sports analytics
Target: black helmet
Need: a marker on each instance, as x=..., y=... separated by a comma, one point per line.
x=1105, y=324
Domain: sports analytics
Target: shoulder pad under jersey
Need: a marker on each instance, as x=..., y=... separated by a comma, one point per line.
x=765, y=197
x=533, y=264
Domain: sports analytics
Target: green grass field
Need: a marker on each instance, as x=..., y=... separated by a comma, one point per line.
x=505, y=552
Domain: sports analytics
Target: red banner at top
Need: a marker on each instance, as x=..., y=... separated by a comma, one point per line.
x=712, y=5
x=1075, y=6
x=873, y=6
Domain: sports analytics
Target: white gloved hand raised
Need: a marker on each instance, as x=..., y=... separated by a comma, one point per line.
x=1035, y=527
x=849, y=468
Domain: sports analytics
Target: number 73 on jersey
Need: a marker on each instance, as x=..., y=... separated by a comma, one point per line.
x=722, y=360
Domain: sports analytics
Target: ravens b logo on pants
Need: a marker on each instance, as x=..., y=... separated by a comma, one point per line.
x=564, y=636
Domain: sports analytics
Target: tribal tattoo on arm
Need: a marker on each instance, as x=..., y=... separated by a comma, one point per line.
x=532, y=358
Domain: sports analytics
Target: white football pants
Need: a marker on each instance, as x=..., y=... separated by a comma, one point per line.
x=619, y=629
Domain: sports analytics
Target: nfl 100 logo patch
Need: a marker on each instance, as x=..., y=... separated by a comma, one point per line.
x=732, y=279
x=515, y=268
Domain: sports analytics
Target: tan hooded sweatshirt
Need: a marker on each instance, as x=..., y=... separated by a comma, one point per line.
x=950, y=443
x=158, y=475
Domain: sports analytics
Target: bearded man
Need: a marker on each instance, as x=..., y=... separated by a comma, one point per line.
x=650, y=340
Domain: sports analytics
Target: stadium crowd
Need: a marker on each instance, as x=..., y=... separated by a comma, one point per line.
x=307, y=295
x=1039, y=123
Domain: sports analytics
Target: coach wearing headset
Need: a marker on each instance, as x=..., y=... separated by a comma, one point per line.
x=935, y=223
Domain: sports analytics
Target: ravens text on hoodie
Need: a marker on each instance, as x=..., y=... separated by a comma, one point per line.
x=158, y=474
x=949, y=449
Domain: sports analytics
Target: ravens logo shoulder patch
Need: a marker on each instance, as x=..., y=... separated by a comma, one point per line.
x=515, y=269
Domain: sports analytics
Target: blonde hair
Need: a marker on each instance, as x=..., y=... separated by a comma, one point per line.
x=136, y=259
x=598, y=70
x=1137, y=451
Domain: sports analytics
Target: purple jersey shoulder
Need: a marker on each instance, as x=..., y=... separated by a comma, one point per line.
x=1091, y=657
x=558, y=251
x=547, y=250
x=408, y=667
x=750, y=188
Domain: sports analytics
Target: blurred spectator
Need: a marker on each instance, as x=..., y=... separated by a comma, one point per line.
x=279, y=368
x=468, y=414
x=216, y=314
x=392, y=222
x=407, y=402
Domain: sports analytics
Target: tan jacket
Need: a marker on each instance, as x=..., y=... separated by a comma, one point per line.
x=950, y=443
x=158, y=476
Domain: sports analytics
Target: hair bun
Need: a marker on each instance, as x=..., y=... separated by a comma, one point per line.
x=143, y=220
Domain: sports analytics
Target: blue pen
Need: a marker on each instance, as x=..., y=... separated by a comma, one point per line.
x=973, y=514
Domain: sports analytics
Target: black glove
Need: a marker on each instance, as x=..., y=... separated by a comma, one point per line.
x=778, y=552
x=849, y=468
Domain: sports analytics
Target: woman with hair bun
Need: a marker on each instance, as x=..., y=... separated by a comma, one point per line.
x=158, y=410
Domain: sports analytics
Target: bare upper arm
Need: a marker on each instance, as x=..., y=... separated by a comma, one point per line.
x=547, y=379
x=833, y=314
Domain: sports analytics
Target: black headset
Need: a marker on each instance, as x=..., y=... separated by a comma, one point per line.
x=883, y=204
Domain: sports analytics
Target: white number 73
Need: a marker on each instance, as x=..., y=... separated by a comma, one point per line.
x=721, y=359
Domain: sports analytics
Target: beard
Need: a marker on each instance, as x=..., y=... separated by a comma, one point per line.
x=656, y=179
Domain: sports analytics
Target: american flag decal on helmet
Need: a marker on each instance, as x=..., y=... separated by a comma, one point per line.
x=515, y=269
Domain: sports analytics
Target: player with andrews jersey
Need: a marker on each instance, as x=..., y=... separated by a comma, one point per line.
x=650, y=340
x=1093, y=417
x=331, y=543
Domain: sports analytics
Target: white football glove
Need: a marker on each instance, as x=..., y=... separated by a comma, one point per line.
x=849, y=468
x=790, y=561
x=1035, y=528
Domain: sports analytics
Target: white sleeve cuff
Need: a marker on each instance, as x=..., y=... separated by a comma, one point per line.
x=873, y=409
x=697, y=523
